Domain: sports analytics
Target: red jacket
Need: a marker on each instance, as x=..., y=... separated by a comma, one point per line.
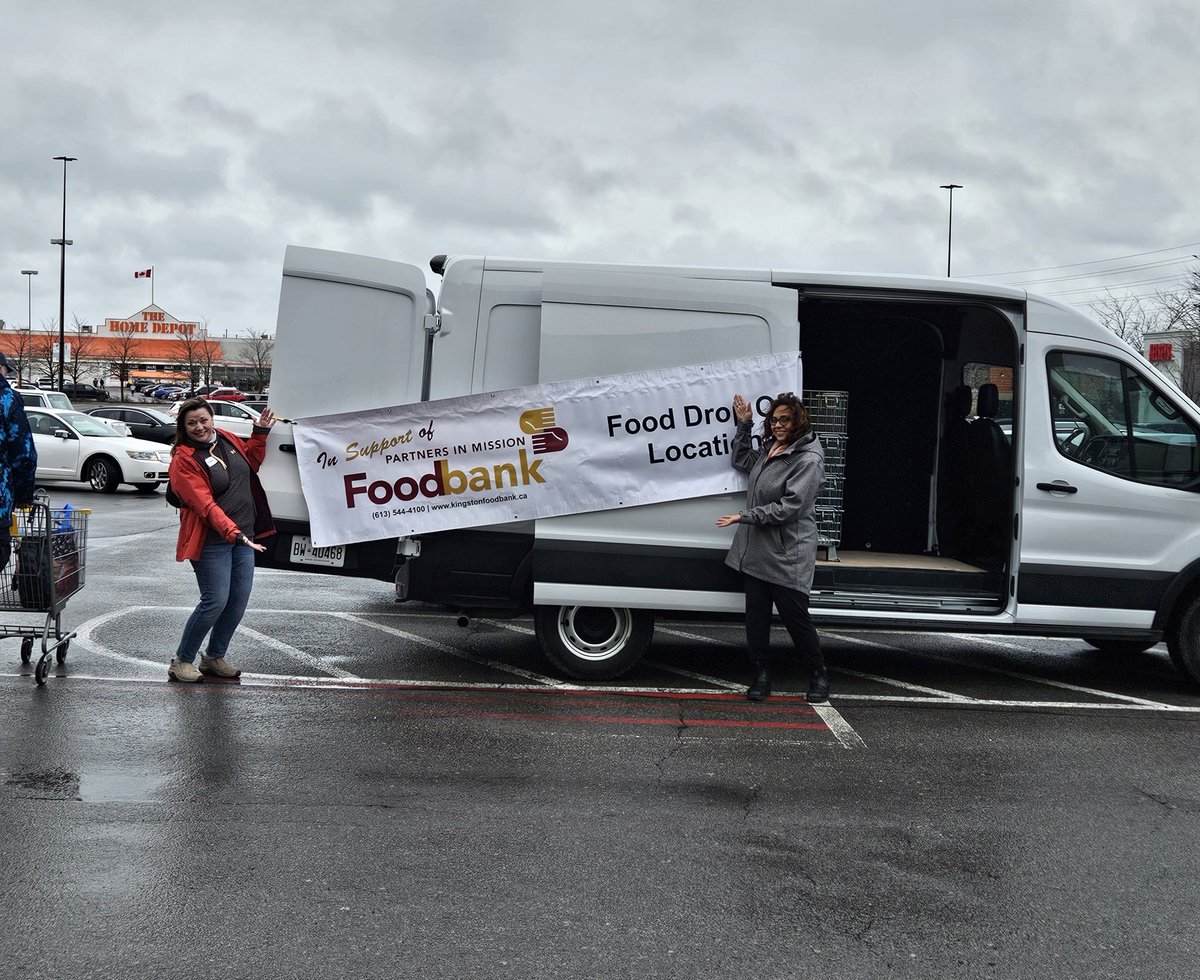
x=200, y=511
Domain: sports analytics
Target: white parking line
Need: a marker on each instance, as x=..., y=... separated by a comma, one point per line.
x=288, y=650
x=86, y=637
x=1031, y=678
x=451, y=651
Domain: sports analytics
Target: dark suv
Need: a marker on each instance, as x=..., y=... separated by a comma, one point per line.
x=84, y=392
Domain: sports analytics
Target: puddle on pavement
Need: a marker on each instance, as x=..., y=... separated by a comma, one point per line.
x=88, y=787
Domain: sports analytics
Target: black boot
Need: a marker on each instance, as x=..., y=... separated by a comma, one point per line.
x=818, y=688
x=760, y=687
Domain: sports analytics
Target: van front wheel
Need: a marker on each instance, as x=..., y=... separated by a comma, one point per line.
x=593, y=642
x=1183, y=640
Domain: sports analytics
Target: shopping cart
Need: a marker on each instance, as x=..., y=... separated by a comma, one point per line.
x=46, y=567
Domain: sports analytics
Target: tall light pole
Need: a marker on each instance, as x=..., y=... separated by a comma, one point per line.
x=62, y=243
x=29, y=274
x=950, y=225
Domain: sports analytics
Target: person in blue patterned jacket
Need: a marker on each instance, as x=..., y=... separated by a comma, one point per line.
x=18, y=459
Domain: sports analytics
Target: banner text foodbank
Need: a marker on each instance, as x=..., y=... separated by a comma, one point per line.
x=443, y=480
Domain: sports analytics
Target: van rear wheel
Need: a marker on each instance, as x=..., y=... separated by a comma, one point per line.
x=1183, y=640
x=593, y=642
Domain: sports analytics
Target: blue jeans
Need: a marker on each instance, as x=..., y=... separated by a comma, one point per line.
x=225, y=573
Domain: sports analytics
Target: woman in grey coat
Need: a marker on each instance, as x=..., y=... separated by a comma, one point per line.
x=775, y=545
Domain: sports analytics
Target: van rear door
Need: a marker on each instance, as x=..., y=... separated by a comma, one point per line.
x=349, y=338
x=349, y=335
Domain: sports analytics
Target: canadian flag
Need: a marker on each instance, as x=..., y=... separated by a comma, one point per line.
x=142, y=275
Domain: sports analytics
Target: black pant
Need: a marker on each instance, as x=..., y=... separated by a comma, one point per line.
x=793, y=609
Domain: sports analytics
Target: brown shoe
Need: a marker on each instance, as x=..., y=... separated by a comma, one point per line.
x=218, y=667
x=182, y=670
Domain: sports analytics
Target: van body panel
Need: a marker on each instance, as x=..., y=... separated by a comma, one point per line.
x=1104, y=552
x=932, y=537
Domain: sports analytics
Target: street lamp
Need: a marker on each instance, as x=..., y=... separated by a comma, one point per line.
x=62, y=243
x=950, y=225
x=29, y=274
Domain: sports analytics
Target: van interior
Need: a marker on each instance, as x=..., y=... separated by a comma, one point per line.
x=929, y=473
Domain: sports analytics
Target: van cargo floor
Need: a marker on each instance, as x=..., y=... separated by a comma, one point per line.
x=870, y=571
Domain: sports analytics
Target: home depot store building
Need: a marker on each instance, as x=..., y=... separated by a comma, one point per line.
x=151, y=343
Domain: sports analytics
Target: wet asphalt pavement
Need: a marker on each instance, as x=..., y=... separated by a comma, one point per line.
x=391, y=796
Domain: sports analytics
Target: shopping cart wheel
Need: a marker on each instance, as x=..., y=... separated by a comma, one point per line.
x=42, y=669
x=61, y=653
x=26, y=649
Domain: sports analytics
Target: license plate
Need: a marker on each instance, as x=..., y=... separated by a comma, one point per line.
x=303, y=553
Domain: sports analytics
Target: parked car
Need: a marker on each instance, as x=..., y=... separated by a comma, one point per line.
x=46, y=399
x=165, y=392
x=230, y=416
x=75, y=446
x=254, y=404
x=142, y=421
x=45, y=382
x=226, y=395
x=84, y=391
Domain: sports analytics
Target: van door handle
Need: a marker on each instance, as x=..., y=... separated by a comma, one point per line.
x=1058, y=486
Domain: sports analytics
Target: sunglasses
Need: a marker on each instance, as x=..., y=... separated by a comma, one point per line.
x=781, y=420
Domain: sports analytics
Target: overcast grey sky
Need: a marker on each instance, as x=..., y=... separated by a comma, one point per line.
x=787, y=134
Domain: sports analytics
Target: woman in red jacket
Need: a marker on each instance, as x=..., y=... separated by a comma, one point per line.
x=222, y=513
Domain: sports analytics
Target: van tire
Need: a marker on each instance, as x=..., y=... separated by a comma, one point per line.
x=1118, y=648
x=593, y=642
x=1183, y=640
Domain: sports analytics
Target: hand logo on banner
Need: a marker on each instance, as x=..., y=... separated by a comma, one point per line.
x=547, y=437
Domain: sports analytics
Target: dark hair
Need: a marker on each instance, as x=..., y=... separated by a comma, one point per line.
x=788, y=400
x=181, y=436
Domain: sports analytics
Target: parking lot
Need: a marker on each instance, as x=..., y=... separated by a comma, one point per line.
x=328, y=632
x=387, y=793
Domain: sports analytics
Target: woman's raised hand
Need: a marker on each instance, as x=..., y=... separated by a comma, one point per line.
x=741, y=409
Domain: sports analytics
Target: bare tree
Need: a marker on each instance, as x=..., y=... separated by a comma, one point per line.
x=1132, y=318
x=258, y=350
x=83, y=343
x=1126, y=316
x=190, y=351
x=1180, y=311
x=43, y=349
x=21, y=354
x=206, y=353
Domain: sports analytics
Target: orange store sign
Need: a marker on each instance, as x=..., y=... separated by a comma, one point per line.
x=151, y=320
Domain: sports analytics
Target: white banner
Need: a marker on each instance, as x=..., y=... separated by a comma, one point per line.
x=567, y=447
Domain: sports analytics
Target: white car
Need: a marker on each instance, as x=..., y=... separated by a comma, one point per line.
x=75, y=446
x=229, y=416
x=31, y=397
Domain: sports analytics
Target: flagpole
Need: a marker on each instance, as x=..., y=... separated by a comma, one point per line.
x=151, y=285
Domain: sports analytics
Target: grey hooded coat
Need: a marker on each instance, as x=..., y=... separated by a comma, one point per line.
x=776, y=539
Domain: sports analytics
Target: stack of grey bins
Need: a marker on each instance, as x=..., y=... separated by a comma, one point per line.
x=827, y=411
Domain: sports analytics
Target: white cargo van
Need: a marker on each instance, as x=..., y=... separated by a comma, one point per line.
x=1010, y=466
